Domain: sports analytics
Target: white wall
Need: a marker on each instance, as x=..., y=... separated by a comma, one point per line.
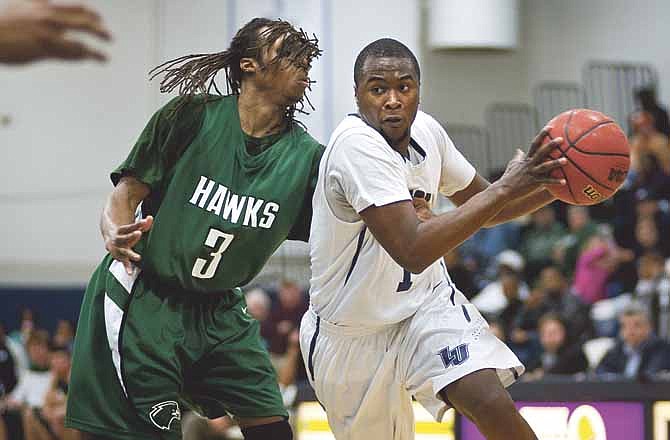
x=558, y=37
x=563, y=35
x=69, y=126
x=457, y=86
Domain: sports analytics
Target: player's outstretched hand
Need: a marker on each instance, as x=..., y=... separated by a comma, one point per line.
x=32, y=30
x=119, y=243
x=527, y=172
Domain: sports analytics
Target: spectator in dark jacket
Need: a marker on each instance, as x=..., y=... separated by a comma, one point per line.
x=646, y=99
x=639, y=354
x=7, y=366
x=558, y=356
x=286, y=315
x=554, y=296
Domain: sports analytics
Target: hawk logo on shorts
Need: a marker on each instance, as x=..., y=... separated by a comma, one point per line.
x=454, y=356
x=163, y=414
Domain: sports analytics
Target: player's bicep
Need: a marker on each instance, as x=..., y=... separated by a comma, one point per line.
x=394, y=226
x=131, y=189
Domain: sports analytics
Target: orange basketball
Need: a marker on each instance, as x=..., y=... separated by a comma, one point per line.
x=597, y=152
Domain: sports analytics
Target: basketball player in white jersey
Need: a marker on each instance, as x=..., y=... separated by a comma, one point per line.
x=386, y=322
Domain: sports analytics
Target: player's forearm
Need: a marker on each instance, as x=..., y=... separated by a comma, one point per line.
x=441, y=234
x=118, y=211
x=521, y=207
x=121, y=205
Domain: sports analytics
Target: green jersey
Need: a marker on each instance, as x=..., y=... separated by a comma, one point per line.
x=219, y=211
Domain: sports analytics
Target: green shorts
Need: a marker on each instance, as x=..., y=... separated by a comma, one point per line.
x=142, y=353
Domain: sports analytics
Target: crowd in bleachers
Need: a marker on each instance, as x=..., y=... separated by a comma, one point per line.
x=34, y=378
x=577, y=292
x=584, y=292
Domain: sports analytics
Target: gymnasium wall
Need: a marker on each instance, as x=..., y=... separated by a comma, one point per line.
x=557, y=39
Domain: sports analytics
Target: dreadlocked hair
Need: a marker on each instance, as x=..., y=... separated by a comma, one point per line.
x=195, y=74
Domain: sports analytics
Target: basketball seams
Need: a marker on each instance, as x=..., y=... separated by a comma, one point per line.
x=571, y=144
x=565, y=176
x=574, y=163
x=591, y=130
x=581, y=172
x=567, y=183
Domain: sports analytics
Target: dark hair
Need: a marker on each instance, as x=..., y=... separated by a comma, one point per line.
x=192, y=74
x=384, y=48
x=552, y=316
x=38, y=336
x=58, y=348
x=647, y=97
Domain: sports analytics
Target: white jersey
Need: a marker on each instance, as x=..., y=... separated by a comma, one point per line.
x=355, y=282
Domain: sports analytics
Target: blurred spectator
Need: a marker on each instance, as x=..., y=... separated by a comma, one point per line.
x=648, y=141
x=36, y=30
x=286, y=315
x=650, y=285
x=7, y=377
x=647, y=205
x=648, y=238
x=497, y=329
x=600, y=258
x=481, y=249
x=538, y=240
x=259, y=306
x=33, y=385
x=552, y=295
x=646, y=99
x=460, y=274
x=639, y=354
x=26, y=326
x=288, y=371
x=650, y=177
x=47, y=422
x=486, y=243
x=558, y=355
x=580, y=229
x=7, y=366
x=64, y=335
x=507, y=292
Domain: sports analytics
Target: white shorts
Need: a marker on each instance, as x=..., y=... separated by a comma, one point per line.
x=365, y=378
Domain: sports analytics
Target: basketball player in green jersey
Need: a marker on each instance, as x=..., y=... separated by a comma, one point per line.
x=221, y=182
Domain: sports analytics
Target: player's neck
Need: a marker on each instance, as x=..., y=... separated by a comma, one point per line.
x=258, y=117
x=401, y=146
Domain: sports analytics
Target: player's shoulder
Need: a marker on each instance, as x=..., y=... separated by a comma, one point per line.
x=424, y=121
x=195, y=100
x=305, y=141
x=188, y=106
x=353, y=132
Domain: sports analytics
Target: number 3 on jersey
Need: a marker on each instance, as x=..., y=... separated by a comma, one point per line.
x=206, y=269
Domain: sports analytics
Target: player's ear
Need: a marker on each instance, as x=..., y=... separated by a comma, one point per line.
x=248, y=65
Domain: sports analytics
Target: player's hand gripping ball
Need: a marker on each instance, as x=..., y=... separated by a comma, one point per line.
x=597, y=152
